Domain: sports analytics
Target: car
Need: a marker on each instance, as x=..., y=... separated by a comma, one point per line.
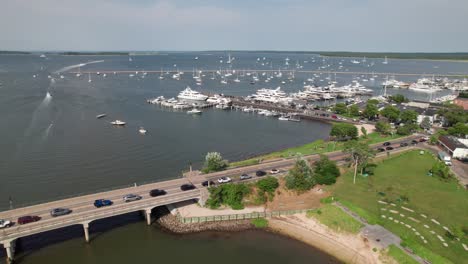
x=380, y=149
x=28, y=219
x=389, y=148
x=245, y=177
x=224, y=180
x=423, y=139
x=274, y=171
x=386, y=144
x=414, y=142
x=157, y=192
x=102, y=202
x=207, y=183
x=403, y=144
x=131, y=197
x=334, y=117
x=60, y=211
x=5, y=223
x=260, y=173
x=186, y=187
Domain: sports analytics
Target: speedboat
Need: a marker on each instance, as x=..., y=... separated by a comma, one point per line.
x=194, y=112
x=142, y=131
x=283, y=118
x=100, y=116
x=118, y=123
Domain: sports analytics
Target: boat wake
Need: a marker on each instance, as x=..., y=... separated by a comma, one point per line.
x=46, y=133
x=67, y=68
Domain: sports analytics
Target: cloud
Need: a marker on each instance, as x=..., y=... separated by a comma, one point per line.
x=367, y=25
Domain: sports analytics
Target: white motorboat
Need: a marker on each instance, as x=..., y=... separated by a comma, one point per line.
x=190, y=94
x=194, y=112
x=142, y=130
x=283, y=118
x=118, y=123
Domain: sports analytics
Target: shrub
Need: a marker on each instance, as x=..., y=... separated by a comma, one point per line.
x=260, y=222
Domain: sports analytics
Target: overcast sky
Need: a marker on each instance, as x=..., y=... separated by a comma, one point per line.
x=350, y=25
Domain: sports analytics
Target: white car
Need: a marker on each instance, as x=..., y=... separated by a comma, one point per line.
x=274, y=171
x=224, y=180
x=5, y=223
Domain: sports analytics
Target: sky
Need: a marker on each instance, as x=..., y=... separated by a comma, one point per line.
x=172, y=25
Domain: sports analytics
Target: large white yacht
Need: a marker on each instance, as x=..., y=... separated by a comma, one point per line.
x=424, y=85
x=271, y=95
x=190, y=94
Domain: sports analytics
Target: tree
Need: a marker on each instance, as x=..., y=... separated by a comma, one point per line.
x=426, y=123
x=267, y=185
x=459, y=130
x=383, y=127
x=407, y=129
x=409, y=116
x=371, y=110
x=453, y=114
x=364, y=132
x=354, y=110
x=398, y=98
x=228, y=194
x=340, y=108
x=326, y=171
x=214, y=162
x=391, y=112
x=360, y=154
x=344, y=131
x=373, y=101
x=300, y=177
x=441, y=171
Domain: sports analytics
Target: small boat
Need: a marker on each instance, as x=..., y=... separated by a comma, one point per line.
x=194, y=112
x=142, y=130
x=118, y=123
x=100, y=116
x=294, y=119
x=283, y=118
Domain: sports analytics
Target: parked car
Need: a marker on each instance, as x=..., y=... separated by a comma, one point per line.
x=208, y=183
x=334, y=117
x=403, y=144
x=260, y=173
x=131, y=197
x=5, y=223
x=102, y=202
x=224, y=180
x=389, y=148
x=28, y=219
x=414, y=142
x=423, y=139
x=157, y=192
x=245, y=177
x=380, y=149
x=386, y=144
x=274, y=171
x=186, y=187
x=60, y=211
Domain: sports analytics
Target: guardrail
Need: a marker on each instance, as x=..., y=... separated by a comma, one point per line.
x=83, y=217
x=231, y=217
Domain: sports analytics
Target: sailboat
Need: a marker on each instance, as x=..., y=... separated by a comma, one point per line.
x=385, y=61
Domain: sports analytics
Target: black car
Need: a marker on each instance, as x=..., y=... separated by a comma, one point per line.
x=186, y=187
x=157, y=192
x=207, y=183
x=388, y=148
x=60, y=211
x=260, y=173
x=380, y=149
x=414, y=142
x=404, y=144
x=387, y=144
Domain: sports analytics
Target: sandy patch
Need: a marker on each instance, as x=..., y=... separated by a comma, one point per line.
x=290, y=200
x=370, y=128
x=192, y=209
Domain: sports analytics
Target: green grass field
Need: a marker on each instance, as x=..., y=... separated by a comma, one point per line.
x=333, y=217
x=400, y=256
x=403, y=181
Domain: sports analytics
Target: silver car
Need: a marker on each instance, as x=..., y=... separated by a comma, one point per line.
x=131, y=197
x=60, y=211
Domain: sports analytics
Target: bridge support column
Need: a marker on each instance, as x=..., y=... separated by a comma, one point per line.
x=10, y=250
x=148, y=215
x=86, y=231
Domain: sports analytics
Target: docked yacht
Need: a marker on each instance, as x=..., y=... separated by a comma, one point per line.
x=271, y=96
x=424, y=85
x=194, y=112
x=118, y=123
x=190, y=94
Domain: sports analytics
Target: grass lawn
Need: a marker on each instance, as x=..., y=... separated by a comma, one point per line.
x=402, y=181
x=316, y=147
x=335, y=218
x=400, y=256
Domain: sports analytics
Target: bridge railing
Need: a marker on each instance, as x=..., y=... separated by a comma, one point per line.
x=243, y=216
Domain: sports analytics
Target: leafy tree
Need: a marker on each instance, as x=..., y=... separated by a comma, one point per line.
x=407, y=129
x=391, y=112
x=214, y=162
x=364, y=132
x=300, y=177
x=371, y=110
x=344, y=131
x=383, y=127
x=398, y=98
x=373, y=101
x=267, y=185
x=409, y=116
x=441, y=171
x=340, y=108
x=453, y=114
x=459, y=130
x=425, y=123
x=354, y=110
x=228, y=194
x=360, y=154
x=326, y=171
